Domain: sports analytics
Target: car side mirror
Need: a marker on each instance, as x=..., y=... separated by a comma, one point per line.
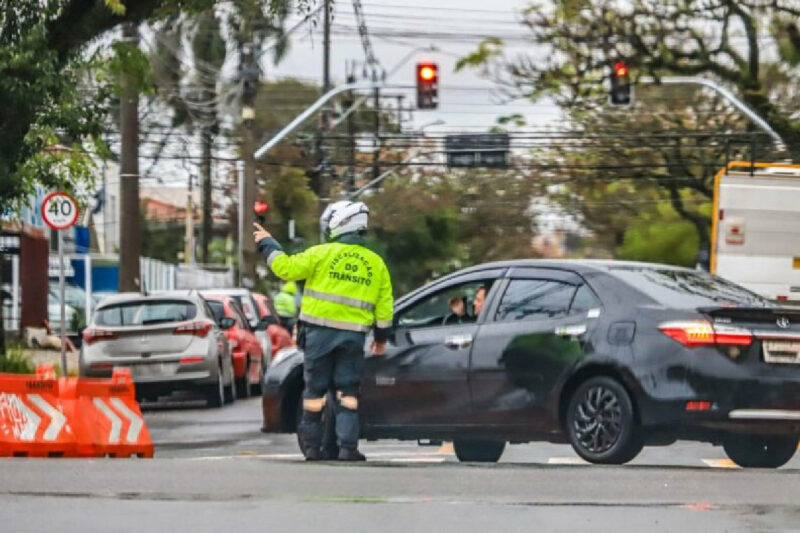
x=226, y=322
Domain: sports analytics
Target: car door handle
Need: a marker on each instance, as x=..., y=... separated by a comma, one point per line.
x=575, y=330
x=458, y=341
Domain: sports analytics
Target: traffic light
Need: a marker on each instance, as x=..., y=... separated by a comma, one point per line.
x=260, y=208
x=427, y=86
x=621, y=89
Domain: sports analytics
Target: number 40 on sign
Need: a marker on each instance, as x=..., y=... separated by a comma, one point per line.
x=59, y=210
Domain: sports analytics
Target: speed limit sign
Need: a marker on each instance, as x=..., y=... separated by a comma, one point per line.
x=59, y=210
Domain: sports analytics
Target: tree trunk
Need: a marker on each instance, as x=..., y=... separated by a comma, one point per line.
x=130, y=217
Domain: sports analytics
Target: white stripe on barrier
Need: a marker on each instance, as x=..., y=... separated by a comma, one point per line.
x=136, y=423
x=116, y=422
x=23, y=421
x=57, y=419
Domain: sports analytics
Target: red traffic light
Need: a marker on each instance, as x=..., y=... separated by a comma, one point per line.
x=260, y=207
x=620, y=69
x=427, y=72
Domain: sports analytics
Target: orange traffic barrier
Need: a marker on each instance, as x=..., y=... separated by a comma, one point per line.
x=41, y=416
x=32, y=423
x=106, y=417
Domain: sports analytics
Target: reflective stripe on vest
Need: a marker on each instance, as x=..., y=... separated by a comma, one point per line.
x=335, y=298
x=336, y=324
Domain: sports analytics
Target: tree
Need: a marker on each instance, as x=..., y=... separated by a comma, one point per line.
x=722, y=40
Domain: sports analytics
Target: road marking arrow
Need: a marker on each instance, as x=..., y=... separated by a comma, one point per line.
x=116, y=422
x=136, y=423
x=57, y=419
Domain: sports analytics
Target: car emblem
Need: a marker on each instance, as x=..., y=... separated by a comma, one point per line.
x=783, y=322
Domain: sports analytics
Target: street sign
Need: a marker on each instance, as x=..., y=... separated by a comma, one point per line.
x=59, y=210
x=488, y=150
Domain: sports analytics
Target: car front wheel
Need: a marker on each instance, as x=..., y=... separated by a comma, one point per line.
x=760, y=451
x=600, y=422
x=479, y=451
x=215, y=393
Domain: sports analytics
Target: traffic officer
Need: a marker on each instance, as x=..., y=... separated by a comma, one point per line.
x=286, y=306
x=347, y=292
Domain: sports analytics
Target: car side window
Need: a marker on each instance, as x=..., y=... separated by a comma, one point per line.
x=457, y=304
x=584, y=300
x=532, y=299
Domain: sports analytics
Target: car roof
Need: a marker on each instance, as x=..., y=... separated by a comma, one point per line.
x=576, y=265
x=123, y=297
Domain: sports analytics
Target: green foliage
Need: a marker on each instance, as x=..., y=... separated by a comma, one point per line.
x=660, y=236
x=14, y=361
x=290, y=198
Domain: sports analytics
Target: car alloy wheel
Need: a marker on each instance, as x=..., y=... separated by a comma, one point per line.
x=601, y=424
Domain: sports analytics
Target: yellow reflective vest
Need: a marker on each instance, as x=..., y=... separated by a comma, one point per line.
x=347, y=286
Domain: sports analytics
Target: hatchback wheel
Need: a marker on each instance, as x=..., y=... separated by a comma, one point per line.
x=760, y=451
x=243, y=385
x=601, y=424
x=230, y=389
x=215, y=395
x=479, y=451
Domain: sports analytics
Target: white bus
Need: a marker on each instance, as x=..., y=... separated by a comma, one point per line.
x=755, y=235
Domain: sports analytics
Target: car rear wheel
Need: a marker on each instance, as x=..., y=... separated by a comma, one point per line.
x=479, y=451
x=215, y=394
x=760, y=451
x=600, y=422
x=243, y=385
x=230, y=389
x=255, y=388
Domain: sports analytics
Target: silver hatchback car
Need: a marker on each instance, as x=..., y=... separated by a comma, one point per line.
x=169, y=341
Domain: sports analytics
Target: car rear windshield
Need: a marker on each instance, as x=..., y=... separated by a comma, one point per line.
x=146, y=313
x=687, y=289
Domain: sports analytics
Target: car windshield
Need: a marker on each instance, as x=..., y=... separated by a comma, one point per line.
x=146, y=313
x=687, y=289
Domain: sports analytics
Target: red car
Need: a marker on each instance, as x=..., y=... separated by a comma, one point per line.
x=278, y=335
x=248, y=359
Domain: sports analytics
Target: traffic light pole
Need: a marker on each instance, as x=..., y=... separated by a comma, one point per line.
x=316, y=106
x=725, y=93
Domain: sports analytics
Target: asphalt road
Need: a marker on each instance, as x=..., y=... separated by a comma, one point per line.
x=215, y=471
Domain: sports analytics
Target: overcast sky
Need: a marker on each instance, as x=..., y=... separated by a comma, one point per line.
x=397, y=28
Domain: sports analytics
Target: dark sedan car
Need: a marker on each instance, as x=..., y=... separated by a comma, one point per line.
x=608, y=356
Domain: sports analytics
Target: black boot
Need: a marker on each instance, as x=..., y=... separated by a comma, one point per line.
x=309, y=432
x=351, y=454
x=313, y=454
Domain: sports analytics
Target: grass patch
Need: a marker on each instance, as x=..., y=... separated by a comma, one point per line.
x=15, y=361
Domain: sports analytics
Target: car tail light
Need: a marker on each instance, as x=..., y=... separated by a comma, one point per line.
x=702, y=333
x=192, y=360
x=699, y=405
x=198, y=329
x=92, y=335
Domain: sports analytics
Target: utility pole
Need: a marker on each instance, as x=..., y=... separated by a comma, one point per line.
x=188, y=252
x=130, y=217
x=324, y=180
x=250, y=77
x=351, y=137
x=207, y=206
x=376, y=168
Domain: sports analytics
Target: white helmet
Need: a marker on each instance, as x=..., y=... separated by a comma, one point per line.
x=343, y=217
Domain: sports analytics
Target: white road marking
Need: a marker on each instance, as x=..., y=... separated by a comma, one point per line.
x=566, y=461
x=116, y=422
x=720, y=463
x=57, y=419
x=136, y=423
